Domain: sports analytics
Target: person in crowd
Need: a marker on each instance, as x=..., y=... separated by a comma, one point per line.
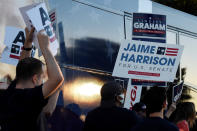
x=184, y=116
x=156, y=102
x=5, y=82
x=110, y=116
x=66, y=119
x=26, y=96
x=170, y=110
x=194, y=128
x=140, y=109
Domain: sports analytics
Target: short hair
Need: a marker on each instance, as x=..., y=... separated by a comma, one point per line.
x=154, y=99
x=28, y=67
x=110, y=90
x=185, y=111
x=139, y=107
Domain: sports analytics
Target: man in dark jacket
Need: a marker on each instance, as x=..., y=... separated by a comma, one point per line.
x=110, y=116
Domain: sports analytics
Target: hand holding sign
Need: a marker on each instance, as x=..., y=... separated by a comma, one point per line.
x=29, y=37
x=28, y=44
x=43, y=40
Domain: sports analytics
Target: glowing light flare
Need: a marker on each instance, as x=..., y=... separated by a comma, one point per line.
x=83, y=91
x=88, y=89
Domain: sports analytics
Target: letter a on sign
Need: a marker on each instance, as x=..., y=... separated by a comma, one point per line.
x=133, y=95
x=20, y=38
x=44, y=16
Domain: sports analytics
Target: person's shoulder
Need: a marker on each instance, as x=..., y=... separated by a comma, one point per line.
x=155, y=123
x=94, y=111
x=127, y=111
x=170, y=126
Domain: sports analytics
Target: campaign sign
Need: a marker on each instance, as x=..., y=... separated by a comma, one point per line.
x=53, y=18
x=132, y=96
x=149, y=27
x=177, y=91
x=40, y=20
x=147, y=61
x=28, y=22
x=14, y=41
x=148, y=82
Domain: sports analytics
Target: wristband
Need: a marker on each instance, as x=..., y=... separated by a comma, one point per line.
x=27, y=49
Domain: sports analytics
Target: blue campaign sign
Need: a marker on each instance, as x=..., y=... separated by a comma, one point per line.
x=149, y=27
x=148, y=82
x=177, y=91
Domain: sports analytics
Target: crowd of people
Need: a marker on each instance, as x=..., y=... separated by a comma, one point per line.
x=27, y=100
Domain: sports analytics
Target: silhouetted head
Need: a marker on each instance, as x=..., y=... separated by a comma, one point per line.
x=185, y=111
x=155, y=99
x=140, y=109
x=113, y=92
x=30, y=69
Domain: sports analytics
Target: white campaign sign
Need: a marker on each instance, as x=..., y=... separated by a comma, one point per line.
x=147, y=60
x=14, y=41
x=28, y=22
x=133, y=95
x=40, y=20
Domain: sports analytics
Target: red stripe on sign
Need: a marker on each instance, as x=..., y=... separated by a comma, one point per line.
x=52, y=17
x=52, y=14
x=172, y=49
x=144, y=73
x=14, y=56
x=139, y=80
x=171, y=54
x=52, y=20
x=52, y=39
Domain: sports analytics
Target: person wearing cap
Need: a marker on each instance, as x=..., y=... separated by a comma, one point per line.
x=140, y=109
x=110, y=116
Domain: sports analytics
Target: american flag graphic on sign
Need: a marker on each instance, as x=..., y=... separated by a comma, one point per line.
x=52, y=16
x=172, y=51
x=167, y=51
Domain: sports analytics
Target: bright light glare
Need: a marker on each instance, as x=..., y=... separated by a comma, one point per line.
x=88, y=89
x=83, y=91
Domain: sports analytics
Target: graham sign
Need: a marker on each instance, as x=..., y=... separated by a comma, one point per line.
x=147, y=61
x=149, y=27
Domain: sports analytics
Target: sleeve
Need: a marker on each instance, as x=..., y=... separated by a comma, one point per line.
x=183, y=126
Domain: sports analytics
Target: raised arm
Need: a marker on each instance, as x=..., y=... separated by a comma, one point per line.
x=55, y=77
x=27, y=44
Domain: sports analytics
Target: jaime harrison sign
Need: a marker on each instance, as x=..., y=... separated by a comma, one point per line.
x=148, y=61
